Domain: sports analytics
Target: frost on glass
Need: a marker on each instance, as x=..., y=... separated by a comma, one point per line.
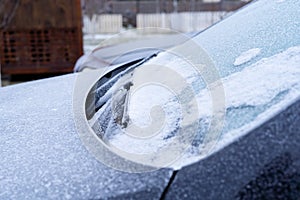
x=258, y=60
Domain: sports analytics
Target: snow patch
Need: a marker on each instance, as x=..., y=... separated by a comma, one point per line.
x=246, y=56
x=256, y=85
x=280, y=1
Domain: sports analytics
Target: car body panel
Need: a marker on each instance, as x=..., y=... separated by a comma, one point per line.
x=42, y=155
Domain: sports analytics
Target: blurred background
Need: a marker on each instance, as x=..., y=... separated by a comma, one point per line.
x=45, y=38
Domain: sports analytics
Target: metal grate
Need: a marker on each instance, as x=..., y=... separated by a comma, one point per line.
x=39, y=46
x=9, y=47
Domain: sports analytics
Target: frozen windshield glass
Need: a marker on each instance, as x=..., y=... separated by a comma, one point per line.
x=257, y=55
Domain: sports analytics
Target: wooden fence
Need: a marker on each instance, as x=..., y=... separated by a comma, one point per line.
x=183, y=21
x=106, y=23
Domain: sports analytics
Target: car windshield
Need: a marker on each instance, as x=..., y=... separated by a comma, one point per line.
x=257, y=60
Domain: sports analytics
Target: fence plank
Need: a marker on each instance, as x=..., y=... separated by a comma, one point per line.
x=106, y=23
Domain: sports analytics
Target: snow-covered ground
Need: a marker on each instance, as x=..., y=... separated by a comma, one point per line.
x=91, y=41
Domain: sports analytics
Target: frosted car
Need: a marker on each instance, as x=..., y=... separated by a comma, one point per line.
x=216, y=117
